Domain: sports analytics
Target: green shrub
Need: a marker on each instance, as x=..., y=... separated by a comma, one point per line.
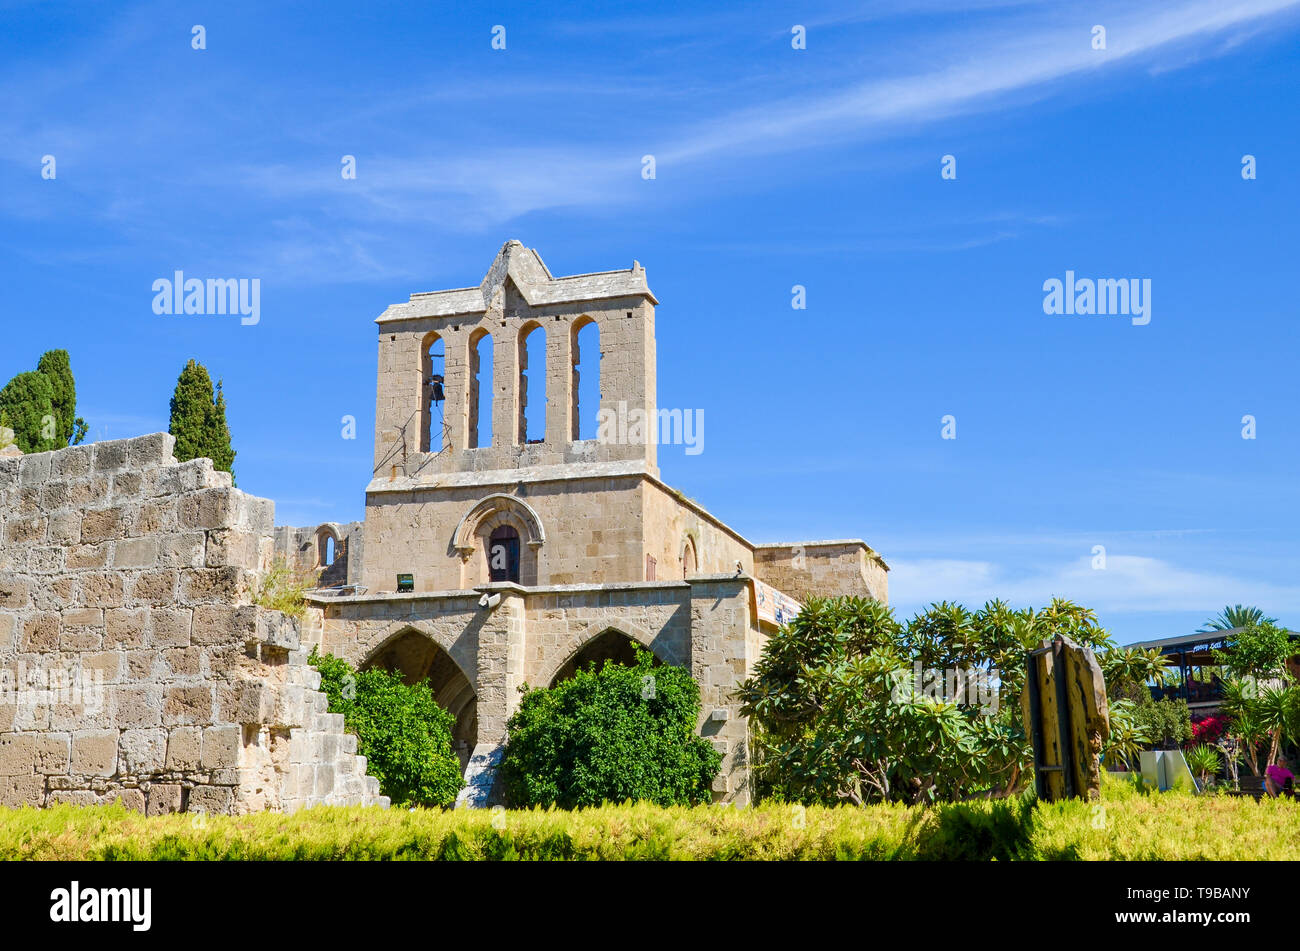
x=622, y=733
x=1167, y=723
x=403, y=733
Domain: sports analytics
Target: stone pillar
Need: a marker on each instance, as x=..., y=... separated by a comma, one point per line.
x=720, y=635
x=559, y=383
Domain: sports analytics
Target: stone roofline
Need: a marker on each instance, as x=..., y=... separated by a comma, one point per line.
x=831, y=543
x=563, y=472
x=529, y=273
x=499, y=586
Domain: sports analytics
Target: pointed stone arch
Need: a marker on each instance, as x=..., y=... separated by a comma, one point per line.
x=417, y=656
x=587, y=646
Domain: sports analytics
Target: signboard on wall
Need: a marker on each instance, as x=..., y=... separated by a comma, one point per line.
x=772, y=606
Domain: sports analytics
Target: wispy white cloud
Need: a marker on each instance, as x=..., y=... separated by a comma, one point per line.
x=1128, y=583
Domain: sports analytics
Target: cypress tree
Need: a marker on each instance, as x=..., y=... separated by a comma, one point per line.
x=198, y=420
x=27, y=404
x=57, y=367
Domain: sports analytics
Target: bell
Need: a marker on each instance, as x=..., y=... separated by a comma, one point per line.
x=435, y=389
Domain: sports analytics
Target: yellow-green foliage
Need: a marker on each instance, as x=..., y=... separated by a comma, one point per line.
x=1128, y=824
x=283, y=587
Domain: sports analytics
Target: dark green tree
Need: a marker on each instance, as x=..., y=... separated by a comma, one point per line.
x=57, y=367
x=198, y=420
x=618, y=734
x=27, y=404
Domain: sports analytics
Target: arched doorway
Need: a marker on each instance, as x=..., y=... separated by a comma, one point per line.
x=417, y=657
x=609, y=645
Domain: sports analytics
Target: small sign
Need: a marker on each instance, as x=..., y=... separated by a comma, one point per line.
x=405, y=583
x=772, y=606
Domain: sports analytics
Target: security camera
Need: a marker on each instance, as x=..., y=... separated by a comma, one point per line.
x=489, y=601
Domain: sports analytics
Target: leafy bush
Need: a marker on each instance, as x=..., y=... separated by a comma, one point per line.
x=838, y=715
x=1167, y=723
x=619, y=734
x=1209, y=729
x=403, y=733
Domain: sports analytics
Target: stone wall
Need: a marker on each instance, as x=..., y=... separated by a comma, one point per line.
x=704, y=624
x=825, y=569
x=133, y=661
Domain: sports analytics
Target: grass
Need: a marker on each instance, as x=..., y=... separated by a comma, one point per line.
x=1127, y=824
x=283, y=588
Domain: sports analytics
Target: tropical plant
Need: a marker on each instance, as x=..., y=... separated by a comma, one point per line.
x=1128, y=736
x=1235, y=616
x=616, y=734
x=849, y=705
x=1258, y=650
x=1204, y=761
x=1128, y=670
x=198, y=419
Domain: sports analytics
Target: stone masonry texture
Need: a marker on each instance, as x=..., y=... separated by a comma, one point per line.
x=134, y=664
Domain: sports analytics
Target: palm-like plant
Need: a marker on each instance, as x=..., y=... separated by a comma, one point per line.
x=1128, y=670
x=1127, y=737
x=1237, y=615
x=1203, y=760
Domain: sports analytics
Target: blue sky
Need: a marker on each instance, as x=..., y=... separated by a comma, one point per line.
x=774, y=167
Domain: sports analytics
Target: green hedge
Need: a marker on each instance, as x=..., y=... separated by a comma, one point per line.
x=1125, y=825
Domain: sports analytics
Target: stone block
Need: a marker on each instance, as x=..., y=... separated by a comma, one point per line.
x=211, y=800
x=94, y=753
x=162, y=799
x=136, y=553
x=221, y=746
x=125, y=627
x=184, y=748
x=142, y=752
x=184, y=706
x=16, y=791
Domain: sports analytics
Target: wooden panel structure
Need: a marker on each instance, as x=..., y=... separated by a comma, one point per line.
x=1066, y=718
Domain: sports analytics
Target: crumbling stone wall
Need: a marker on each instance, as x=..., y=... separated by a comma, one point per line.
x=133, y=661
x=826, y=569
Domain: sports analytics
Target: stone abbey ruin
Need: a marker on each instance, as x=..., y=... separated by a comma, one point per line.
x=134, y=663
